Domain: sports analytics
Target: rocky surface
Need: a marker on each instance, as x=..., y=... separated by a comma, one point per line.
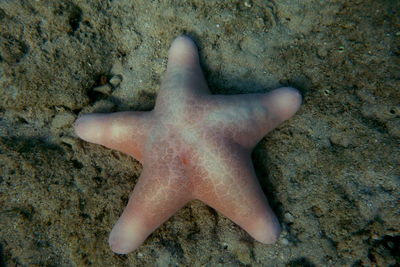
x=331, y=172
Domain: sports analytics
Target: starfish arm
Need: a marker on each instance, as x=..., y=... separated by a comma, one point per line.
x=123, y=131
x=247, y=118
x=184, y=77
x=225, y=180
x=160, y=192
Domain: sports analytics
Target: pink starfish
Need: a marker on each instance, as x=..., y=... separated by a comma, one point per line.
x=193, y=145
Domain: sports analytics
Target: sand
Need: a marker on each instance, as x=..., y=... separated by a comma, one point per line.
x=331, y=172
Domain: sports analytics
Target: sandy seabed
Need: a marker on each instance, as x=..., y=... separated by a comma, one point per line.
x=331, y=172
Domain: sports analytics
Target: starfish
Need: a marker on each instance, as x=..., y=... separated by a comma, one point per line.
x=193, y=145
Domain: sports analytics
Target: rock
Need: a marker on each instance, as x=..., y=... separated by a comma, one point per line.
x=381, y=112
x=62, y=120
x=340, y=139
x=115, y=80
x=322, y=52
x=252, y=45
x=284, y=241
x=69, y=140
x=100, y=106
x=393, y=127
x=104, y=89
x=289, y=217
x=365, y=96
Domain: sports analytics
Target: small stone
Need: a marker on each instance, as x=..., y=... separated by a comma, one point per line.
x=69, y=140
x=115, y=80
x=365, y=96
x=62, y=119
x=393, y=127
x=289, y=217
x=284, y=241
x=102, y=106
x=247, y=4
x=252, y=45
x=340, y=140
x=381, y=112
x=104, y=89
x=322, y=52
x=375, y=237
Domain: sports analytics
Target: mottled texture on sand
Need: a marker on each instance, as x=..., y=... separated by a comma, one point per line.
x=331, y=174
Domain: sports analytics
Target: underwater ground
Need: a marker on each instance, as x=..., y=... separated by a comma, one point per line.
x=331, y=172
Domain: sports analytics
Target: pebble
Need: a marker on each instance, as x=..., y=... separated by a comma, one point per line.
x=375, y=237
x=102, y=106
x=381, y=112
x=69, y=140
x=247, y=4
x=340, y=140
x=115, y=80
x=252, y=45
x=394, y=127
x=104, y=89
x=289, y=217
x=62, y=119
x=366, y=96
x=284, y=241
x=322, y=52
